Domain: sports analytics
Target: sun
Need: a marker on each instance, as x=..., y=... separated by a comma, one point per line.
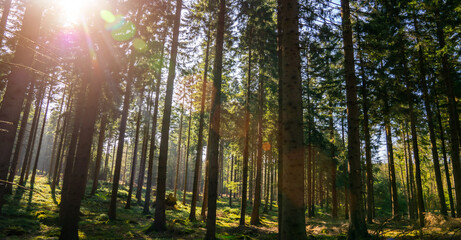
x=73, y=11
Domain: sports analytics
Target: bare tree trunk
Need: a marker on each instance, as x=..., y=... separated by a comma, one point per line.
x=135, y=156
x=22, y=131
x=179, y=150
x=246, y=134
x=154, y=128
x=18, y=80
x=40, y=140
x=186, y=168
x=160, y=218
x=292, y=172
x=198, y=158
x=357, y=226
x=215, y=113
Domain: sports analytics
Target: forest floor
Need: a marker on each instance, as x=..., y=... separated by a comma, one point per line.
x=35, y=216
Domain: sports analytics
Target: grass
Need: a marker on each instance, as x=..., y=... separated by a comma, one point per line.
x=35, y=216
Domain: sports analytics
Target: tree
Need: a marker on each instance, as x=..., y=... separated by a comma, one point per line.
x=160, y=218
x=357, y=226
x=292, y=173
x=215, y=113
x=18, y=80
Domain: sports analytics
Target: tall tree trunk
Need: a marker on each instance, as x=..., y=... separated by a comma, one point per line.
x=160, y=218
x=121, y=140
x=366, y=130
x=231, y=179
x=257, y=200
x=102, y=135
x=62, y=139
x=391, y=165
x=246, y=134
x=409, y=194
x=33, y=132
x=18, y=80
x=357, y=226
x=198, y=158
x=179, y=150
x=448, y=79
x=22, y=131
x=292, y=172
x=150, y=166
x=40, y=140
x=56, y=135
x=334, y=197
x=412, y=177
x=135, y=157
x=444, y=154
x=433, y=139
x=71, y=209
x=186, y=168
x=215, y=113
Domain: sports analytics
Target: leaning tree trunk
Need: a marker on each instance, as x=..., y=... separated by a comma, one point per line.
x=357, y=226
x=160, y=218
x=215, y=113
x=292, y=147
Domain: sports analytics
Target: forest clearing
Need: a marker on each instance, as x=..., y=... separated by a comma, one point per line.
x=230, y=119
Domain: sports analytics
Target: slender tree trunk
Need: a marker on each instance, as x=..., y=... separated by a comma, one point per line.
x=179, y=150
x=357, y=226
x=31, y=140
x=246, y=134
x=215, y=113
x=448, y=79
x=334, y=197
x=444, y=154
x=154, y=127
x=391, y=166
x=160, y=218
x=198, y=158
x=412, y=177
x=22, y=131
x=56, y=134
x=366, y=130
x=62, y=138
x=232, y=179
x=135, y=157
x=102, y=134
x=257, y=200
x=121, y=140
x=409, y=195
x=40, y=140
x=186, y=168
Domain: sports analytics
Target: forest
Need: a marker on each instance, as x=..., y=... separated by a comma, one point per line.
x=230, y=119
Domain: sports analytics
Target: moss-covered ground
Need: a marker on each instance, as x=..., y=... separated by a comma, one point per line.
x=35, y=216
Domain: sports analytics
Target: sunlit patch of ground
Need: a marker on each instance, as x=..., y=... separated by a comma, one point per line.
x=35, y=216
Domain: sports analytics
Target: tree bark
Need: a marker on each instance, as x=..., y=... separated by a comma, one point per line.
x=357, y=226
x=179, y=149
x=186, y=168
x=292, y=172
x=215, y=113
